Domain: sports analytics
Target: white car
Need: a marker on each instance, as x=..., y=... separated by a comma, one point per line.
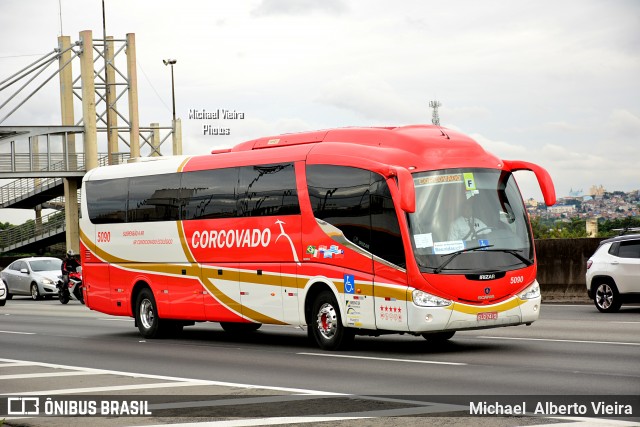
x=36, y=276
x=3, y=293
x=613, y=273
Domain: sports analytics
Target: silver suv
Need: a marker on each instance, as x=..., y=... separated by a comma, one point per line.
x=613, y=273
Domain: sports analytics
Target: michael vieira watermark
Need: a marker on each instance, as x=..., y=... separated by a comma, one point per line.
x=549, y=408
x=216, y=114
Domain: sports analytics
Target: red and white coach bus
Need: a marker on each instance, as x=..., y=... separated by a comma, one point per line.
x=413, y=229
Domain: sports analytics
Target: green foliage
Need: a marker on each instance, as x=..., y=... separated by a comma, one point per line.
x=609, y=228
x=569, y=229
x=576, y=227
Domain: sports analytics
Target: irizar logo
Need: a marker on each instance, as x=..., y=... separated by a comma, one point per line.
x=487, y=276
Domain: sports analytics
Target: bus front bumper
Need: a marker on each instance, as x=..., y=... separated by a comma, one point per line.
x=459, y=316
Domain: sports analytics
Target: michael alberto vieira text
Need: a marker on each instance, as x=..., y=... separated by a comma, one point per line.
x=599, y=408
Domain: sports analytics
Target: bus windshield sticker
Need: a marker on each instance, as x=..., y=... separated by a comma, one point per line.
x=469, y=181
x=423, y=240
x=438, y=180
x=443, y=248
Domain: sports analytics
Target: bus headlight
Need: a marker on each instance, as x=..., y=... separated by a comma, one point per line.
x=424, y=299
x=531, y=292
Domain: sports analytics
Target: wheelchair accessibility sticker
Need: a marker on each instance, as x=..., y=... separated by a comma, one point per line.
x=349, y=284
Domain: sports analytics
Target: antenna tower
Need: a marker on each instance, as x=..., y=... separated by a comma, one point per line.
x=435, y=118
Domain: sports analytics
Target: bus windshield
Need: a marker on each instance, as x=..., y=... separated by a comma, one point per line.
x=469, y=221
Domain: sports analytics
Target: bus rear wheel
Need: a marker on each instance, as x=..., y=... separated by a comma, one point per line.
x=325, y=326
x=147, y=315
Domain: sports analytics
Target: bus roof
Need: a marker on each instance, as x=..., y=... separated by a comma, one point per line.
x=421, y=147
x=417, y=148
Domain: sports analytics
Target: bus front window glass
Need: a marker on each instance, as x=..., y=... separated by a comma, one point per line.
x=478, y=212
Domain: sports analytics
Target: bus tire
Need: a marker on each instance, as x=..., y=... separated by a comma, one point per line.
x=147, y=318
x=240, y=328
x=325, y=326
x=438, y=337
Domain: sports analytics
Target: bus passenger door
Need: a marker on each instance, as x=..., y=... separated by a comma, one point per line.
x=390, y=298
x=389, y=258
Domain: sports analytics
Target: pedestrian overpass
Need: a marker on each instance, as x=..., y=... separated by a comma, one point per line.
x=41, y=167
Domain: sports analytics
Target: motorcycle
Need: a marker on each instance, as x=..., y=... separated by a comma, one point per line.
x=70, y=287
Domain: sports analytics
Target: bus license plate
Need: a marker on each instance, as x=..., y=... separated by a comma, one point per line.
x=488, y=315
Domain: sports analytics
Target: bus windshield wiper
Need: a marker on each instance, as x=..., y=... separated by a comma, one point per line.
x=515, y=253
x=456, y=253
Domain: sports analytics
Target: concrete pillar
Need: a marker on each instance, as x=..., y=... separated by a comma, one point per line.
x=134, y=133
x=38, y=220
x=176, y=137
x=71, y=214
x=155, y=140
x=66, y=98
x=112, y=116
x=88, y=102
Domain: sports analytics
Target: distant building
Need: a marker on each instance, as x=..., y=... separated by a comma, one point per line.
x=597, y=191
x=561, y=209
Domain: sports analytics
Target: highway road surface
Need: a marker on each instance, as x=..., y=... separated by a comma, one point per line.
x=573, y=359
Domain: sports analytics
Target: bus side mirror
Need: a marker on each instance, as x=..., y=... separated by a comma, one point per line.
x=543, y=177
x=406, y=188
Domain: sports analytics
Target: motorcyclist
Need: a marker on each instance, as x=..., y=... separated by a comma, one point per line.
x=69, y=265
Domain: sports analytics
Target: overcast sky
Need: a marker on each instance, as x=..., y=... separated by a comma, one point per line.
x=551, y=82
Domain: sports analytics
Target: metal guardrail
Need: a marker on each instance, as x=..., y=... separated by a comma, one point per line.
x=23, y=186
x=26, y=162
x=49, y=225
x=32, y=230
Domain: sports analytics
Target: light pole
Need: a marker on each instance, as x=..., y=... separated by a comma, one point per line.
x=173, y=92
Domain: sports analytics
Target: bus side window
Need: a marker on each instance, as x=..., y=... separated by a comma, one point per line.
x=268, y=190
x=340, y=195
x=154, y=198
x=209, y=194
x=107, y=200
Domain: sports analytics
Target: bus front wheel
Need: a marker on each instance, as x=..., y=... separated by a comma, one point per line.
x=325, y=326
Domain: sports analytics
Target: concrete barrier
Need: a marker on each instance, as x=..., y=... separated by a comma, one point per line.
x=562, y=265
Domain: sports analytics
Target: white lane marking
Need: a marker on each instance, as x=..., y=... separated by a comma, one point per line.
x=46, y=375
x=553, y=340
x=633, y=323
x=177, y=379
x=116, y=319
x=17, y=333
x=384, y=359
